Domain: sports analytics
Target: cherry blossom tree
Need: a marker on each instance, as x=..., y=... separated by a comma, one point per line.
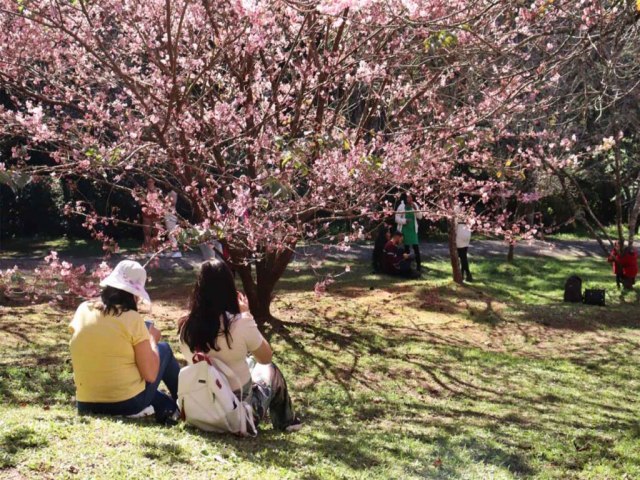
x=272, y=119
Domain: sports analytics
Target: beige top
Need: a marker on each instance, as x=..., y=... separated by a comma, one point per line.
x=245, y=338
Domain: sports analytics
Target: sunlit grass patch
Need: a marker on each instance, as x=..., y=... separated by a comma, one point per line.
x=393, y=379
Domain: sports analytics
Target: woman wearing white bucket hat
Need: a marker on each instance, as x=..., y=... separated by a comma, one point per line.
x=117, y=362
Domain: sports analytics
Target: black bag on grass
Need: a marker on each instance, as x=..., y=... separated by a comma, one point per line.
x=594, y=297
x=573, y=289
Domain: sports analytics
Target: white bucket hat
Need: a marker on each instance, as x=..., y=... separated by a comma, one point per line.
x=129, y=276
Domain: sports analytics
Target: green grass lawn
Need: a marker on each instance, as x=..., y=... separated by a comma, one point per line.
x=40, y=247
x=578, y=232
x=393, y=380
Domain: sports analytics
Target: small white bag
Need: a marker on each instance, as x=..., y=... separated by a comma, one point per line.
x=206, y=400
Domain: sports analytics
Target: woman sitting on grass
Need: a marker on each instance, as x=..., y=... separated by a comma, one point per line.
x=117, y=362
x=220, y=326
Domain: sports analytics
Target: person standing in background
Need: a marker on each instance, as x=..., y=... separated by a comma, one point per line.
x=625, y=265
x=463, y=239
x=407, y=216
x=149, y=218
x=171, y=222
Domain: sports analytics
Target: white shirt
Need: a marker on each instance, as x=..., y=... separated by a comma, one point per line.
x=463, y=235
x=401, y=218
x=244, y=338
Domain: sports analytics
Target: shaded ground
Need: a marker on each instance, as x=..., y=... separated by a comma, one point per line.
x=420, y=379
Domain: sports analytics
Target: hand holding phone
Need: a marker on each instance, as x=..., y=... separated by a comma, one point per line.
x=243, y=302
x=153, y=331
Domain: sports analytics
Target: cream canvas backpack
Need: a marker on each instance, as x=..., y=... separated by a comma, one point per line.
x=207, y=402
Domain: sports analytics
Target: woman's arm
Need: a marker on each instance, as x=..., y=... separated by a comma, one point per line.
x=147, y=357
x=263, y=354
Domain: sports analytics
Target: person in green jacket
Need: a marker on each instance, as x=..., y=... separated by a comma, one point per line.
x=407, y=216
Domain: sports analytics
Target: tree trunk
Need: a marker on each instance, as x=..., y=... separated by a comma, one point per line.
x=633, y=215
x=259, y=290
x=579, y=211
x=618, y=197
x=453, y=251
x=512, y=247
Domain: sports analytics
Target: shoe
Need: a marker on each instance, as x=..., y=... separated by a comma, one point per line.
x=145, y=412
x=294, y=426
x=169, y=418
x=176, y=255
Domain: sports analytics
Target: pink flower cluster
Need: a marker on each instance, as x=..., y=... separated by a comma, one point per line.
x=56, y=280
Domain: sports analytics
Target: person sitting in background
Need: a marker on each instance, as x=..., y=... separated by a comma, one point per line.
x=117, y=361
x=395, y=260
x=384, y=235
x=625, y=265
x=220, y=326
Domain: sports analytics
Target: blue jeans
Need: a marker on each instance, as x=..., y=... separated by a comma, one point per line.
x=163, y=404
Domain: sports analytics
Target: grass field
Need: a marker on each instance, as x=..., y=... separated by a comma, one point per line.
x=393, y=380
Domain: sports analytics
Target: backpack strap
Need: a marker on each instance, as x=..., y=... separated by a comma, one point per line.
x=226, y=371
x=200, y=357
x=245, y=413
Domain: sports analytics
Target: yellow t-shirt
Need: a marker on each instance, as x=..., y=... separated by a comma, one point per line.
x=102, y=354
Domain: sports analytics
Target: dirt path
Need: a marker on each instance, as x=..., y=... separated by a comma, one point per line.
x=482, y=248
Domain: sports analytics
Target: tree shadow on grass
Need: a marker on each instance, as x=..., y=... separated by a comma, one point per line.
x=44, y=377
x=478, y=304
x=352, y=447
x=15, y=441
x=165, y=452
x=444, y=374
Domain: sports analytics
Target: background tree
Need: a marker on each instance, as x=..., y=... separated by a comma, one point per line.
x=272, y=119
x=589, y=113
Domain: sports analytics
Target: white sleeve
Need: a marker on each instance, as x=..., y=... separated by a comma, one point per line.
x=416, y=207
x=249, y=332
x=400, y=218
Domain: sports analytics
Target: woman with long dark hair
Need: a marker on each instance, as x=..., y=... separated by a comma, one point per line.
x=383, y=236
x=118, y=361
x=220, y=326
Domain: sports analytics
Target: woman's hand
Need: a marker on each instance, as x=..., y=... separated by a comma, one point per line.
x=243, y=302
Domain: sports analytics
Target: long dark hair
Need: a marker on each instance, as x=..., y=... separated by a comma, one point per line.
x=116, y=301
x=214, y=297
x=381, y=239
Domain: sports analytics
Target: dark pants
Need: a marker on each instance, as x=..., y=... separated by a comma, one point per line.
x=268, y=392
x=627, y=282
x=402, y=269
x=376, y=259
x=416, y=254
x=163, y=405
x=464, y=262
